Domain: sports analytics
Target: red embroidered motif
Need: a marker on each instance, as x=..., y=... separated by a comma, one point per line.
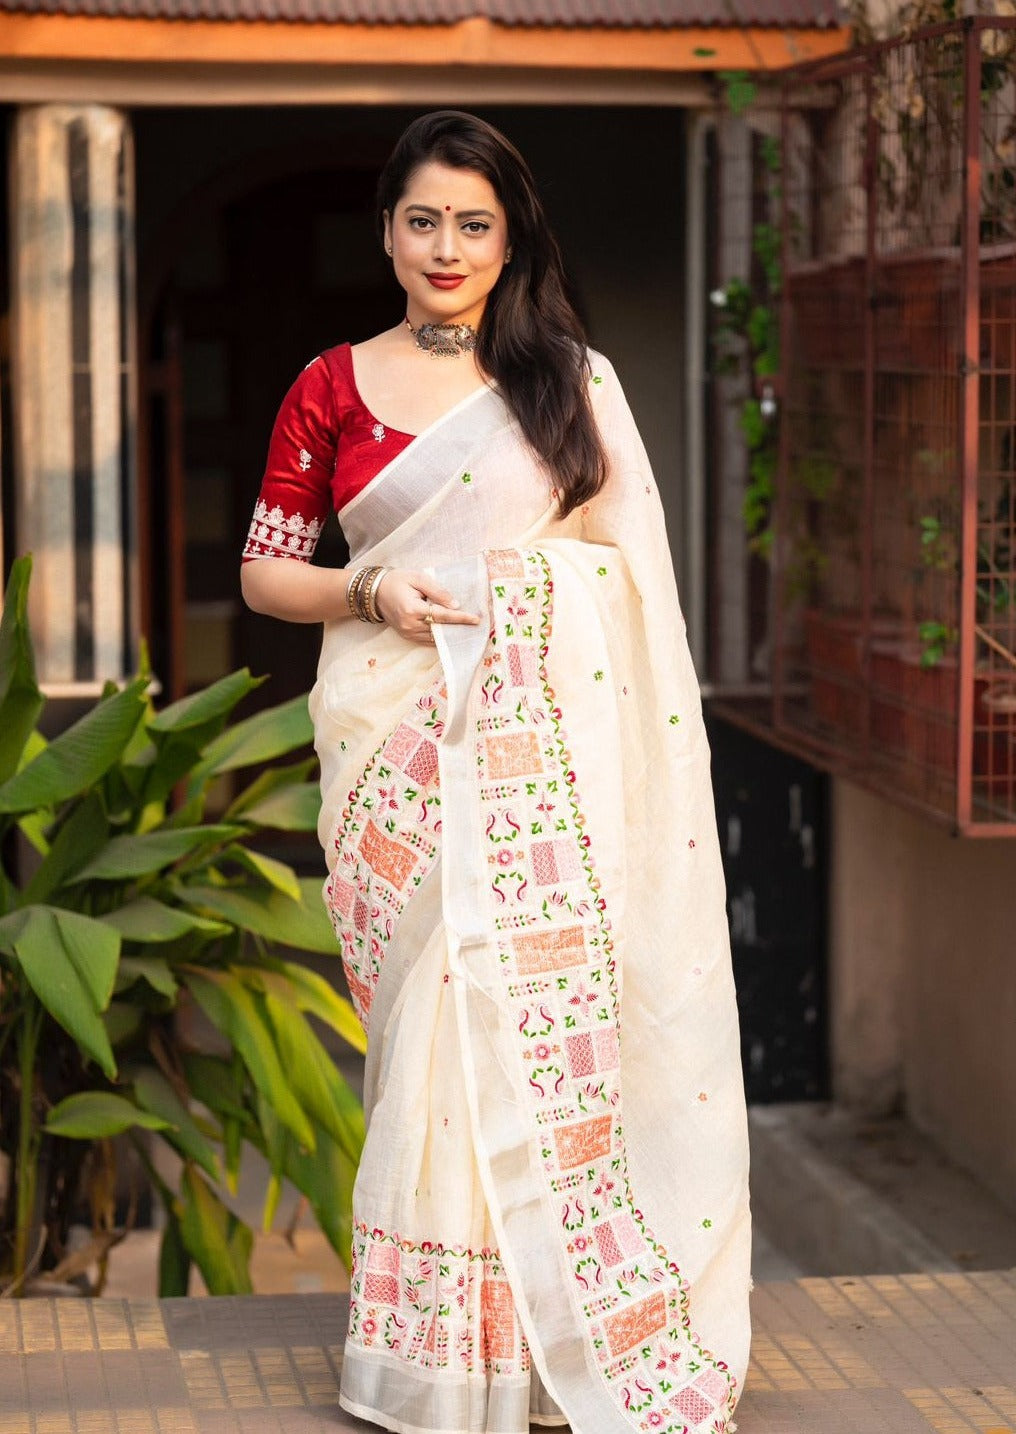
x=581, y=1143
x=381, y=1277
x=634, y=1326
x=422, y=766
x=537, y=951
x=691, y=1405
x=386, y=858
x=522, y=668
x=514, y=755
x=498, y=1309
x=617, y=1239
x=436, y=1306
x=555, y=861
x=377, y=869
x=505, y=563
x=591, y=1051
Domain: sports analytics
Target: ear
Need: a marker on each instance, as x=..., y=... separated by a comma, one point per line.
x=387, y=219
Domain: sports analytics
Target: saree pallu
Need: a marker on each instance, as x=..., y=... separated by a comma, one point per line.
x=551, y=1214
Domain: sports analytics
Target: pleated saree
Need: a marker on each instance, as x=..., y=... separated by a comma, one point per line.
x=551, y=1215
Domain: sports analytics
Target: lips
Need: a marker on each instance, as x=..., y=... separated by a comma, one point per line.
x=445, y=281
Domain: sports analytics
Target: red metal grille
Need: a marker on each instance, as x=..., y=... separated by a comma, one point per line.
x=892, y=568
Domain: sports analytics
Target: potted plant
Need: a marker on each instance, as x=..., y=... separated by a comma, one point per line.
x=120, y=900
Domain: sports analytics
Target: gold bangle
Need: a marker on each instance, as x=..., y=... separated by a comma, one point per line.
x=362, y=594
x=368, y=610
x=353, y=588
x=372, y=607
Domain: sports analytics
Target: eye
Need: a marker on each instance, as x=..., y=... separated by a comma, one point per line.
x=420, y=222
x=476, y=226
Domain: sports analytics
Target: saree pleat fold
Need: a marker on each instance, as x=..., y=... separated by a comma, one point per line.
x=551, y=1215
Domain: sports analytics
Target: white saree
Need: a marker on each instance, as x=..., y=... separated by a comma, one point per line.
x=551, y=1214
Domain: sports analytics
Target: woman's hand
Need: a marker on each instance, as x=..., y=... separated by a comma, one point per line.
x=413, y=603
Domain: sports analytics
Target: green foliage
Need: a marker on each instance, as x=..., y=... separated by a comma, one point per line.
x=739, y=90
x=938, y=546
x=119, y=909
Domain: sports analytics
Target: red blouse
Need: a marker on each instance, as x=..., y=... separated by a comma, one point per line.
x=325, y=448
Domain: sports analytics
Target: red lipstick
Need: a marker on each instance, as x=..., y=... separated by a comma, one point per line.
x=445, y=281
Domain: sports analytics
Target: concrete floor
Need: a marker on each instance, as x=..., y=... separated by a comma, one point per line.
x=882, y=1355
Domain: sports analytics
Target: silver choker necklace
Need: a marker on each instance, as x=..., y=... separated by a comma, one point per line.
x=444, y=340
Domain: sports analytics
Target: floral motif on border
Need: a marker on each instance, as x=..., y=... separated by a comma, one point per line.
x=387, y=841
x=275, y=534
x=435, y=1306
x=560, y=983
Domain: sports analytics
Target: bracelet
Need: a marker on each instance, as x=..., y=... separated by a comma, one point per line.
x=353, y=590
x=367, y=604
x=361, y=593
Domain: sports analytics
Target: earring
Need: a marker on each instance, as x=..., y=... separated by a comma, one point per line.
x=508, y=256
x=388, y=250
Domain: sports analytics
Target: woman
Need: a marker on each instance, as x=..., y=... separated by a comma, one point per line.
x=518, y=823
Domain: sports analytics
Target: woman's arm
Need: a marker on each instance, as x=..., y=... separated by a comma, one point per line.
x=298, y=592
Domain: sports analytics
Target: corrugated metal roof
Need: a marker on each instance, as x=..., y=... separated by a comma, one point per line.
x=574, y=14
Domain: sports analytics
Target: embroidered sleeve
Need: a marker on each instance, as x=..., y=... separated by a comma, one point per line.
x=296, y=490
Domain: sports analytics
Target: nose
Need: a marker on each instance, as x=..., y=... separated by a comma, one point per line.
x=446, y=240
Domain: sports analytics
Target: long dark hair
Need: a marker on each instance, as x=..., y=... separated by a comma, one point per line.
x=530, y=340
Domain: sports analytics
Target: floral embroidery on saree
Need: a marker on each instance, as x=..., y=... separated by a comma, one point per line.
x=388, y=840
x=560, y=984
x=436, y=1306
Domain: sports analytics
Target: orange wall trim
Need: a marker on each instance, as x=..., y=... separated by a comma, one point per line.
x=475, y=42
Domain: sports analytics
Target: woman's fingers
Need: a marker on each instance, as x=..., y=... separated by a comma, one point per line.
x=413, y=604
x=450, y=616
x=440, y=604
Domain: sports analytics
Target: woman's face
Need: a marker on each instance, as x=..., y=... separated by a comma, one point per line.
x=448, y=237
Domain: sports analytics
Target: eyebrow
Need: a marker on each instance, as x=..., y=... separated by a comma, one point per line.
x=462, y=213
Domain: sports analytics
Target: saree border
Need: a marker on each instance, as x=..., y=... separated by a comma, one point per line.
x=630, y=1324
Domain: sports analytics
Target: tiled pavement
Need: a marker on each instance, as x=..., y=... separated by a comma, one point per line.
x=876, y=1355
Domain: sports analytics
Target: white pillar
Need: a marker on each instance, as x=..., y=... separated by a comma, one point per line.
x=74, y=398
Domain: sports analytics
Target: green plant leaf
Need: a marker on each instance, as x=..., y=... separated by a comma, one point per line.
x=20, y=698
x=153, y=1093
x=266, y=782
x=314, y=1077
x=126, y=857
x=318, y=998
x=77, y=758
x=146, y=920
x=93, y=1114
x=215, y=1082
x=152, y=969
x=69, y=960
x=275, y=873
x=211, y=704
x=325, y=1175
x=123, y=1022
x=304, y=925
x=174, y=1262
x=218, y=1242
x=233, y=1010
x=288, y=809
x=81, y=834
x=261, y=738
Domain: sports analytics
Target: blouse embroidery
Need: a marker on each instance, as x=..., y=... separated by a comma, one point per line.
x=274, y=534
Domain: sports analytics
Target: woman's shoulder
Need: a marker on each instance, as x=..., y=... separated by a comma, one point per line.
x=602, y=376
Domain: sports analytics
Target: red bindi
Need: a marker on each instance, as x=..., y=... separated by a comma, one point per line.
x=448, y=209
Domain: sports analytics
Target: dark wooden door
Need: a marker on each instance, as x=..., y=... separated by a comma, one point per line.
x=264, y=283
x=771, y=812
